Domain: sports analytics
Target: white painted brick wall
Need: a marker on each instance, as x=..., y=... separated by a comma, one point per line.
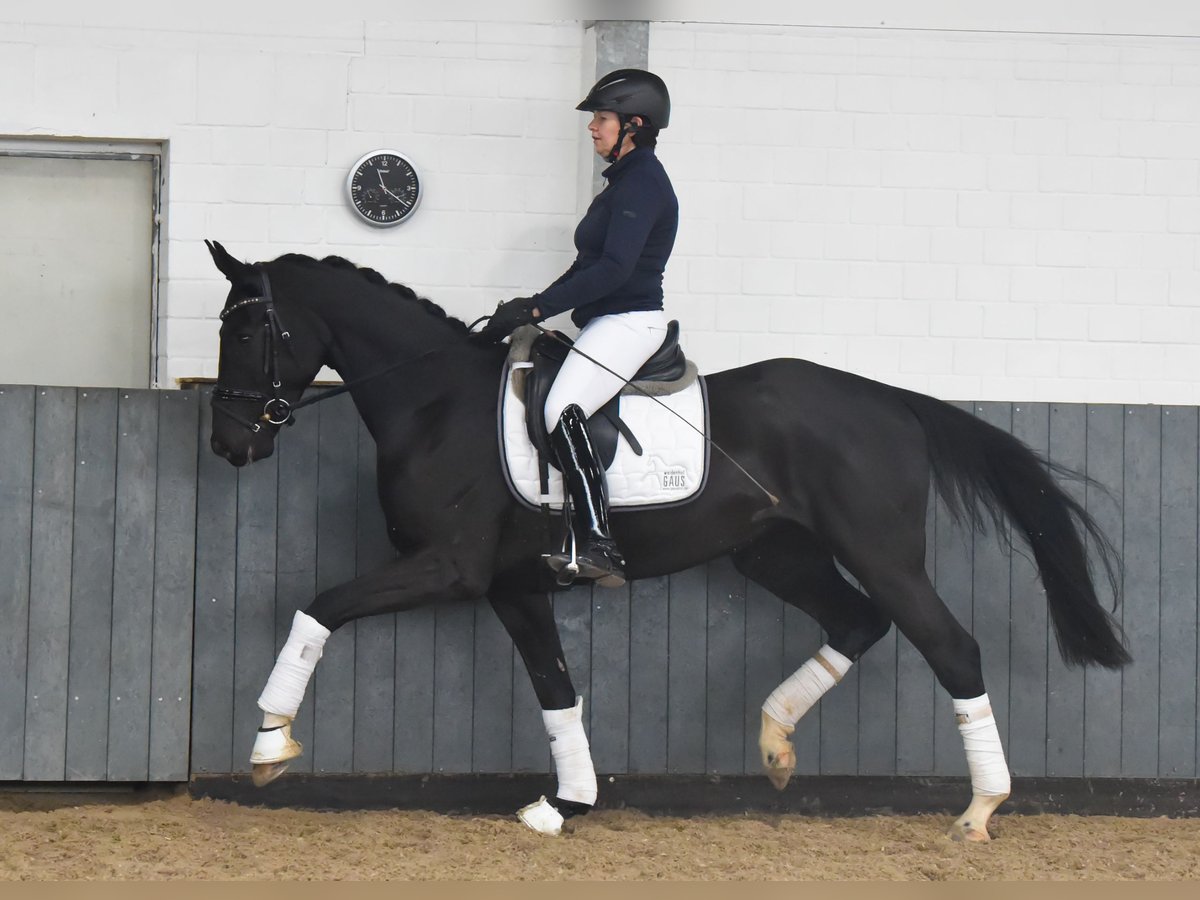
x=977, y=215
x=263, y=127
x=989, y=216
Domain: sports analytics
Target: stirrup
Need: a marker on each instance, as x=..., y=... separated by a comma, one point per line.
x=598, y=566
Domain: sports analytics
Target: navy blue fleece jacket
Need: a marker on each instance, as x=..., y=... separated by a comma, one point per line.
x=623, y=244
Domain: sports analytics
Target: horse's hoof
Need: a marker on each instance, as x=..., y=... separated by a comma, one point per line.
x=779, y=776
x=542, y=817
x=962, y=834
x=263, y=774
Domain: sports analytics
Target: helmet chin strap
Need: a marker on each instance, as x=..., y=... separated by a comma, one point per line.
x=626, y=129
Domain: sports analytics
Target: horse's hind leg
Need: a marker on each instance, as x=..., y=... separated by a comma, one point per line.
x=789, y=563
x=529, y=620
x=906, y=593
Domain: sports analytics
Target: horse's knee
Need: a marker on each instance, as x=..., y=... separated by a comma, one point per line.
x=855, y=635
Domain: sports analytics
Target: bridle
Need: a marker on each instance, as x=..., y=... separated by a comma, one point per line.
x=276, y=410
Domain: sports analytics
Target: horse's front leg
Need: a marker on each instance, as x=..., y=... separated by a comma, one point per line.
x=529, y=620
x=424, y=577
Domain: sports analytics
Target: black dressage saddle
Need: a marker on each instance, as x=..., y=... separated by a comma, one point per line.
x=548, y=354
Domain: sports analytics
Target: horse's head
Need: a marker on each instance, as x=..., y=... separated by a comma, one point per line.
x=270, y=352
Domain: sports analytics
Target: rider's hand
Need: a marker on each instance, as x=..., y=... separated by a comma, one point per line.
x=507, y=318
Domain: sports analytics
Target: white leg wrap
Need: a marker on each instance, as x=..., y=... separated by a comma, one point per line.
x=800, y=692
x=572, y=757
x=981, y=739
x=297, y=660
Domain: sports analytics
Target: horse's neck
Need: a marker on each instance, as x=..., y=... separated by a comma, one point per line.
x=393, y=357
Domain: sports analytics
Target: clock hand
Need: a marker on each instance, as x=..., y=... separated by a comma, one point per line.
x=385, y=187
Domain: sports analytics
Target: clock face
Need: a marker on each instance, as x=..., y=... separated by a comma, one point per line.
x=383, y=188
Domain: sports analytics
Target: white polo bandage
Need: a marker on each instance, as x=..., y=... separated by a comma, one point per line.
x=572, y=757
x=800, y=692
x=981, y=740
x=297, y=660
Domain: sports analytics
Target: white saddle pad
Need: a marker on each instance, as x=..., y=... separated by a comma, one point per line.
x=672, y=468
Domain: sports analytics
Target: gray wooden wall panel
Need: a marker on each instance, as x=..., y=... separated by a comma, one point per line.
x=1065, y=686
x=50, y=585
x=133, y=587
x=1142, y=500
x=649, y=611
x=124, y=545
x=610, y=680
x=16, y=528
x=725, y=692
x=174, y=574
x=90, y=657
x=1178, y=593
x=214, y=622
x=1102, y=688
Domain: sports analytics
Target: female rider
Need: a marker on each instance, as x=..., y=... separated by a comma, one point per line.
x=614, y=287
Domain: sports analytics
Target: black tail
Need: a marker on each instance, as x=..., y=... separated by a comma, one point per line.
x=976, y=468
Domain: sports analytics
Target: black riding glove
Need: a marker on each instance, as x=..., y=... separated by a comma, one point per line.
x=507, y=318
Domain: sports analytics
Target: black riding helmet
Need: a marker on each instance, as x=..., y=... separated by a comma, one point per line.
x=631, y=92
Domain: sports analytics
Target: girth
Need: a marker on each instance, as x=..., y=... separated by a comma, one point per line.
x=548, y=355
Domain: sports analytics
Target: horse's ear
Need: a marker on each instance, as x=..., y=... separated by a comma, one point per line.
x=230, y=267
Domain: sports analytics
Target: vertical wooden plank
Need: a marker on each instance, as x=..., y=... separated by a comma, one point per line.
x=573, y=615
x=649, y=613
x=296, y=552
x=725, y=715
x=1143, y=505
x=954, y=582
x=216, y=582
x=1177, y=704
x=412, y=732
x=877, y=708
x=333, y=691
x=493, y=672
x=255, y=567
x=686, y=651
x=916, y=687
x=991, y=592
x=454, y=682
x=1065, y=686
x=1027, y=711
x=802, y=637
x=174, y=586
x=1105, y=464
x=92, y=584
x=50, y=585
x=764, y=666
x=16, y=499
x=375, y=636
x=609, y=732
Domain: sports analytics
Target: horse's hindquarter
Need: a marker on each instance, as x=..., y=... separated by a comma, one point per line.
x=841, y=452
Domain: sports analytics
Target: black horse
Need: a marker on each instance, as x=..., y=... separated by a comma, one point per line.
x=849, y=460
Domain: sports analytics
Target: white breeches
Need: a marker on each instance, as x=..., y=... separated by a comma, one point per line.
x=623, y=342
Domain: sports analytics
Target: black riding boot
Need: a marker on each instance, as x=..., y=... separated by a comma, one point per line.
x=596, y=553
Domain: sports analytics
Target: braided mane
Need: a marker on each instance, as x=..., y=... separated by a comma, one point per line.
x=378, y=280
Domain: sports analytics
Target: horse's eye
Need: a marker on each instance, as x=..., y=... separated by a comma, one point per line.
x=243, y=339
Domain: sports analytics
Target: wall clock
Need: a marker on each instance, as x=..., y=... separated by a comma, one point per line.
x=383, y=188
